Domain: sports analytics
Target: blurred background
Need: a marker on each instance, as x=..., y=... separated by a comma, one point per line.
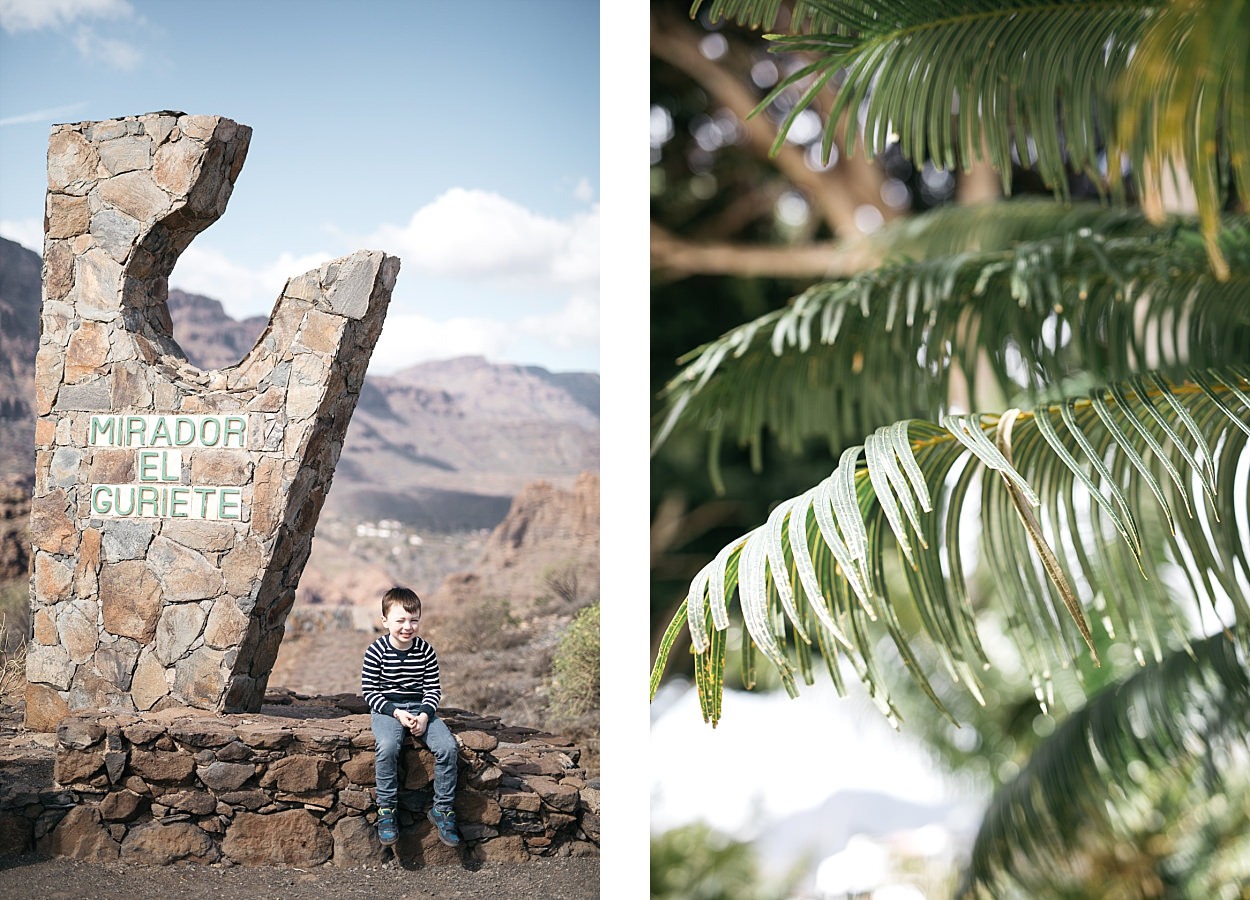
x=816, y=796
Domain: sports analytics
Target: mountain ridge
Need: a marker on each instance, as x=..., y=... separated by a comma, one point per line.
x=441, y=444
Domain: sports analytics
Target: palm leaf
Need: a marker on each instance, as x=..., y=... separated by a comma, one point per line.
x=1052, y=292
x=1101, y=484
x=931, y=75
x=1145, y=785
x=800, y=15
x=1194, y=124
x=1062, y=86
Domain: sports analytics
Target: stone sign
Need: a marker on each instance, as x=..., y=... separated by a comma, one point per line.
x=160, y=492
x=174, y=507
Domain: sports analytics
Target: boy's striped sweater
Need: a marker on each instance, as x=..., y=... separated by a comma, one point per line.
x=389, y=677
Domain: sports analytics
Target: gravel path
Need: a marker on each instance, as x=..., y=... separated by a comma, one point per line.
x=69, y=879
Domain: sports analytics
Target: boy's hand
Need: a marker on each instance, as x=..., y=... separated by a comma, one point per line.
x=415, y=724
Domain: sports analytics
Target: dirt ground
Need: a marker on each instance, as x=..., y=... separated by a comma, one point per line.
x=68, y=879
x=321, y=662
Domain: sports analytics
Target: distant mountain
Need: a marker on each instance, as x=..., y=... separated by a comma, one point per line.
x=209, y=337
x=494, y=388
x=813, y=835
x=442, y=445
x=456, y=440
x=20, y=273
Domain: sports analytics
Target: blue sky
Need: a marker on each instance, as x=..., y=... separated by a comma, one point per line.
x=461, y=137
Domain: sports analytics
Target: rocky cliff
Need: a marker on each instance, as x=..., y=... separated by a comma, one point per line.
x=209, y=337
x=19, y=339
x=14, y=513
x=548, y=543
x=497, y=627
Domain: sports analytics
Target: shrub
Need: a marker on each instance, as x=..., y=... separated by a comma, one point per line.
x=574, y=695
x=14, y=632
x=483, y=623
x=15, y=613
x=697, y=860
x=565, y=583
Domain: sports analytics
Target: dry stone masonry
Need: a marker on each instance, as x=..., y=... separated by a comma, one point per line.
x=173, y=507
x=292, y=786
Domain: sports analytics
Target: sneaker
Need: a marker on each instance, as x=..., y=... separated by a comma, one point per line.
x=388, y=831
x=445, y=821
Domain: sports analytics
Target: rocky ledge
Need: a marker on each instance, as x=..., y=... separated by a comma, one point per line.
x=291, y=785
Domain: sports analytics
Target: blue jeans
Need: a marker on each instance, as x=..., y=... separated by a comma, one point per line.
x=388, y=737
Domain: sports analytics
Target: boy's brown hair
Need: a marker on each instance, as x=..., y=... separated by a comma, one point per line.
x=405, y=597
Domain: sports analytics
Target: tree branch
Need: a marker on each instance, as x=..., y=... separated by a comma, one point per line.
x=674, y=259
x=677, y=43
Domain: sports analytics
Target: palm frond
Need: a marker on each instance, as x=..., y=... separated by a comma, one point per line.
x=1149, y=778
x=1184, y=99
x=933, y=75
x=1143, y=479
x=800, y=15
x=1053, y=292
x=1058, y=86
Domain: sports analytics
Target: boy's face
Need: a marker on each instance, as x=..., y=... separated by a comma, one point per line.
x=401, y=625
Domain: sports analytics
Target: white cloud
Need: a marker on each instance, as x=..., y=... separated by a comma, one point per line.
x=584, y=192
x=575, y=325
x=51, y=114
x=242, y=291
x=36, y=15
x=478, y=235
x=111, y=52
x=532, y=281
x=31, y=15
x=578, y=263
x=27, y=232
x=410, y=338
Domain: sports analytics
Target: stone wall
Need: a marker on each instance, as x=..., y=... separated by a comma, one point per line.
x=291, y=785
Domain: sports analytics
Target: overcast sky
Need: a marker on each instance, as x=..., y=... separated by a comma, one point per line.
x=461, y=137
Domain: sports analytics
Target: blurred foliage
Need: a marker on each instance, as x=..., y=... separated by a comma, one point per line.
x=697, y=862
x=1144, y=792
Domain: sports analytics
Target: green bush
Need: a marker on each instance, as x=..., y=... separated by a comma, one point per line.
x=698, y=862
x=574, y=696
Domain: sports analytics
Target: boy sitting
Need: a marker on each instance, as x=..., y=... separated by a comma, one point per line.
x=400, y=682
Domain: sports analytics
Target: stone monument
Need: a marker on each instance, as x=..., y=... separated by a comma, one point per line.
x=174, y=508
